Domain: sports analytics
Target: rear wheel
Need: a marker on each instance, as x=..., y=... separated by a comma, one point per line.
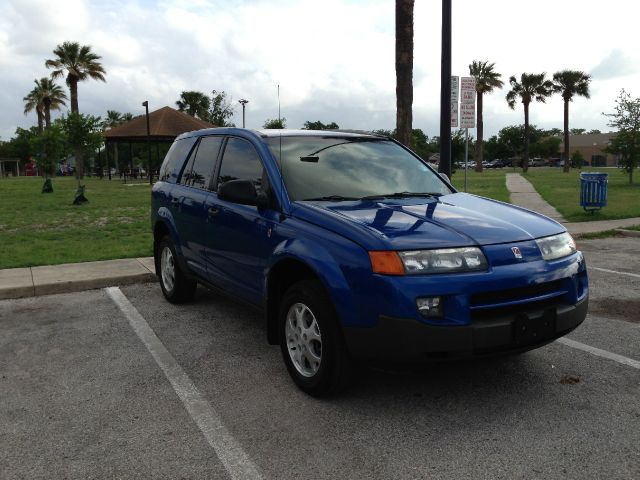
x=311, y=340
x=175, y=286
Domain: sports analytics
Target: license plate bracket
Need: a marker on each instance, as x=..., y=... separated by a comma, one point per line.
x=531, y=329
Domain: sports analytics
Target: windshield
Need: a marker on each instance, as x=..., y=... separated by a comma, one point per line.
x=345, y=168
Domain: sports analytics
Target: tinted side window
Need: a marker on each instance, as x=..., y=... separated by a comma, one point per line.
x=174, y=158
x=240, y=162
x=200, y=168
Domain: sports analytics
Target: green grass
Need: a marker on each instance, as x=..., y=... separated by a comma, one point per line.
x=46, y=229
x=489, y=183
x=562, y=190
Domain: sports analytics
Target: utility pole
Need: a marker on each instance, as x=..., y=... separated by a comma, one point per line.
x=243, y=102
x=445, y=92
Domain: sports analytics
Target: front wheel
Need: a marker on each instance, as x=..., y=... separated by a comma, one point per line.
x=175, y=286
x=311, y=340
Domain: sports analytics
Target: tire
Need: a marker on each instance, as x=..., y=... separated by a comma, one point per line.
x=176, y=287
x=311, y=340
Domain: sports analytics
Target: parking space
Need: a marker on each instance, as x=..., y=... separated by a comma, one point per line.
x=82, y=397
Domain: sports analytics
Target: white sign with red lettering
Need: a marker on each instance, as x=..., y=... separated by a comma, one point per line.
x=467, y=115
x=467, y=90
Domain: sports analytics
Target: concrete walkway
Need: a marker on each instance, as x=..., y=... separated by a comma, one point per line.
x=524, y=195
x=74, y=277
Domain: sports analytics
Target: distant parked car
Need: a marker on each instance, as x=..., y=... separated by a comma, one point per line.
x=537, y=162
x=496, y=164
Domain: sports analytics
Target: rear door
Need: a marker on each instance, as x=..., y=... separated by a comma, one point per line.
x=190, y=200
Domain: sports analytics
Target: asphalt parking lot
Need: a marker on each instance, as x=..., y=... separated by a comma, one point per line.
x=117, y=383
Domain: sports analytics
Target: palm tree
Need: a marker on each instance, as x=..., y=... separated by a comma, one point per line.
x=486, y=80
x=194, y=103
x=404, y=70
x=53, y=97
x=80, y=63
x=33, y=101
x=569, y=83
x=532, y=86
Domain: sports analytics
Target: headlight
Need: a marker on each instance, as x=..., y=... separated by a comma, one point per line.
x=557, y=246
x=444, y=260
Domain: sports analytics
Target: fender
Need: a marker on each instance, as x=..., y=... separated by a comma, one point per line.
x=164, y=216
x=329, y=267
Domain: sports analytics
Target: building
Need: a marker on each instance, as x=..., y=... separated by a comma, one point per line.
x=592, y=146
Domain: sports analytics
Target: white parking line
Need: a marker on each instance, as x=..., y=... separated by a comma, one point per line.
x=600, y=353
x=229, y=451
x=635, y=275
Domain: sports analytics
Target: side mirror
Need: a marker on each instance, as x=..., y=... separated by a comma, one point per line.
x=243, y=192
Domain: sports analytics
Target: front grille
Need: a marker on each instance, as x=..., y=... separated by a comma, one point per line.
x=510, y=302
x=500, y=312
x=514, y=294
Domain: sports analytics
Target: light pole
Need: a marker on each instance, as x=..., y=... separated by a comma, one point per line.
x=243, y=102
x=145, y=104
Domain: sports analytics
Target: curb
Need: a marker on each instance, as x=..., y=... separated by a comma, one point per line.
x=628, y=233
x=66, y=278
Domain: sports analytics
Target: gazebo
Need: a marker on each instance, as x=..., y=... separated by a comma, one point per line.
x=165, y=125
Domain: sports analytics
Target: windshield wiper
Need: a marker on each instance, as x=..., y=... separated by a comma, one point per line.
x=331, y=198
x=400, y=195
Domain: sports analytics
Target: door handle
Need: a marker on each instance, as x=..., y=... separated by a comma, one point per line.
x=213, y=210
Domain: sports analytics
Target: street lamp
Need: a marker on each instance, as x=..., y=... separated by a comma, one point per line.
x=243, y=102
x=145, y=104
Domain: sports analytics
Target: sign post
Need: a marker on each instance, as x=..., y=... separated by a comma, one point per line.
x=467, y=115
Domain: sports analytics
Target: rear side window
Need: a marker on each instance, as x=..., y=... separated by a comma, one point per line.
x=240, y=162
x=174, y=158
x=200, y=169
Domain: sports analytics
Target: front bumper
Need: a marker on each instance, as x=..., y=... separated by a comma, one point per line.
x=405, y=339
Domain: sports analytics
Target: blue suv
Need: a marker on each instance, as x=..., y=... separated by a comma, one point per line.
x=355, y=249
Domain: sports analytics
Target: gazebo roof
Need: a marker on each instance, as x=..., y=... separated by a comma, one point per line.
x=164, y=124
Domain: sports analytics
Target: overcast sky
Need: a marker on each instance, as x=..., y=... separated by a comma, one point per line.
x=333, y=59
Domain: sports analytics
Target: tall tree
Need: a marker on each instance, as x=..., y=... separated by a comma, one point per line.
x=532, y=86
x=626, y=143
x=79, y=63
x=33, y=101
x=486, y=80
x=570, y=83
x=194, y=103
x=221, y=109
x=53, y=97
x=404, y=70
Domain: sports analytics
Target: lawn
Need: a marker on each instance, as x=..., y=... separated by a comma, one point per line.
x=489, y=183
x=563, y=192
x=46, y=229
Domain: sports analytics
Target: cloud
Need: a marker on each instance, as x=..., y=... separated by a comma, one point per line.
x=615, y=64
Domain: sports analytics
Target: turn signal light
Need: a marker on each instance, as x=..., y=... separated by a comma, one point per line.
x=386, y=262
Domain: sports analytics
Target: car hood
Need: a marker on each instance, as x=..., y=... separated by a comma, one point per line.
x=452, y=220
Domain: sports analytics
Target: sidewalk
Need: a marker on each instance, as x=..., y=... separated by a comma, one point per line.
x=524, y=195
x=74, y=277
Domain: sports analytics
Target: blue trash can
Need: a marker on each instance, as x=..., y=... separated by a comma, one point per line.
x=593, y=190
